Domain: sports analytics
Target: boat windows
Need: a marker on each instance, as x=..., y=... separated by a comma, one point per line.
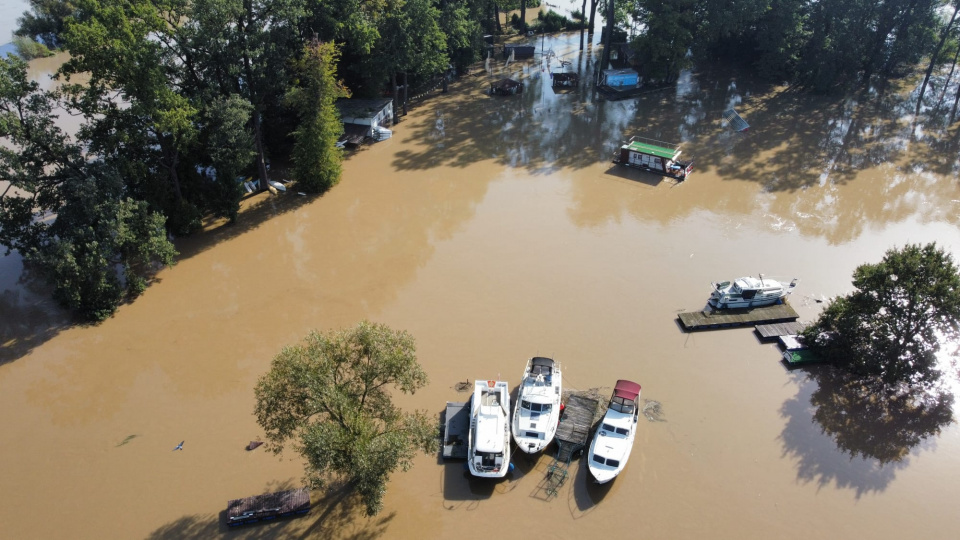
x=622, y=431
x=613, y=462
x=598, y=459
x=536, y=407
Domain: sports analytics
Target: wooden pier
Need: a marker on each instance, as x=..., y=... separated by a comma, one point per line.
x=771, y=332
x=268, y=507
x=456, y=428
x=732, y=318
x=579, y=415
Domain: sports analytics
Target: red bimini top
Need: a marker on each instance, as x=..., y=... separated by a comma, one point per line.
x=627, y=390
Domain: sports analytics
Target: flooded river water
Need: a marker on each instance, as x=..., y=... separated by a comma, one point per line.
x=495, y=229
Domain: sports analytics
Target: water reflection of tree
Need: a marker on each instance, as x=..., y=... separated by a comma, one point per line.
x=875, y=430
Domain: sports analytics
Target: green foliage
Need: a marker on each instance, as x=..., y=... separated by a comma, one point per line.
x=45, y=21
x=330, y=396
x=663, y=47
x=316, y=157
x=552, y=22
x=28, y=49
x=230, y=146
x=71, y=219
x=891, y=327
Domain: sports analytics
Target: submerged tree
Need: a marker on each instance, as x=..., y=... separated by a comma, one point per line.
x=892, y=325
x=330, y=397
x=70, y=216
x=316, y=157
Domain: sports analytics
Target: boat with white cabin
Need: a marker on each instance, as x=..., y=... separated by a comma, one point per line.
x=538, y=405
x=613, y=441
x=488, y=448
x=749, y=292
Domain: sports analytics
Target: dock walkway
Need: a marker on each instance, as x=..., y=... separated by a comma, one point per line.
x=576, y=422
x=268, y=506
x=731, y=318
x=456, y=428
x=771, y=332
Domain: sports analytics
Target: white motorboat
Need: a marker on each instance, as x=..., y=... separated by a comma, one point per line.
x=613, y=441
x=749, y=291
x=537, y=413
x=488, y=450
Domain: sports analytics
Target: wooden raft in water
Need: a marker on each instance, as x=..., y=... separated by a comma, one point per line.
x=268, y=506
x=731, y=318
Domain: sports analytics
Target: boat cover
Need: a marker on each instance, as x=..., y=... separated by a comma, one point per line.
x=627, y=390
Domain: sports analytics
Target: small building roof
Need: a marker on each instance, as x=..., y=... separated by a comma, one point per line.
x=654, y=150
x=615, y=72
x=362, y=108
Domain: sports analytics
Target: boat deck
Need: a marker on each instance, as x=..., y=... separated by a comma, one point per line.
x=732, y=318
x=456, y=427
x=579, y=415
x=268, y=506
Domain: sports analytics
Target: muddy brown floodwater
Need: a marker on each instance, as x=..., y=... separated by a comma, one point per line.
x=494, y=229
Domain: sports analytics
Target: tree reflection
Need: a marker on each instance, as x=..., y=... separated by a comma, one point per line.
x=876, y=428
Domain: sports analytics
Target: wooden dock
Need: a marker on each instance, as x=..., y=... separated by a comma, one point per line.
x=732, y=318
x=268, y=507
x=772, y=332
x=579, y=414
x=456, y=427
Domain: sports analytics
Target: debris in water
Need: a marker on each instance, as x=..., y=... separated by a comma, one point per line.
x=128, y=439
x=254, y=444
x=653, y=410
x=462, y=386
x=179, y=446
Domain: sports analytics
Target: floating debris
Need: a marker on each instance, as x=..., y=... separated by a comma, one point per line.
x=462, y=386
x=179, y=446
x=653, y=410
x=128, y=439
x=254, y=444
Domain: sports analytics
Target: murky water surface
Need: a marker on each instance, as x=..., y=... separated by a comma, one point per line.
x=494, y=229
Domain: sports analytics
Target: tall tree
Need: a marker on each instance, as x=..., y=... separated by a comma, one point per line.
x=668, y=36
x=330, y=397
x=892, y=325
x=45, y=21
x=316, y=157
x=936, y=52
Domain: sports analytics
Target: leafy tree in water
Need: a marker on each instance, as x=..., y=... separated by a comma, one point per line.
x=891, y=326
x=70, y=218
x=230, y=147
x=663, y=47
x=330, y=396
x=316, y=157
x=44, y=21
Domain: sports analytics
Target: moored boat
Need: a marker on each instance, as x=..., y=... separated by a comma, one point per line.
x=537, y=413
x=749, y=292
x=488, y=448
x=613, y=441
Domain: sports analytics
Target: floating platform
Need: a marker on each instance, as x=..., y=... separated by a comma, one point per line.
x=734, y=121
x=772, y=332
x=456, y=428
x=578, y=416
x=732, y=318
x=268, y=507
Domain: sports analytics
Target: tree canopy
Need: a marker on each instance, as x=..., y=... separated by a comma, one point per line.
x=330, y=397
x=892, y=326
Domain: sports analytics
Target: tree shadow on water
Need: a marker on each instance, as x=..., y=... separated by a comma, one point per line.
x=29, y=317
x=337, y=514
x=856, y=433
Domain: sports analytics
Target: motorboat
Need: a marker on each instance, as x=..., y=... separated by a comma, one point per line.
x=537, y=413
x=613, y=440
x=749, y=292
x=488, y=448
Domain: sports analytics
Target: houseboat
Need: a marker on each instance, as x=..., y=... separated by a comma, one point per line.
x=613, y=441
x=538, y=405
x=748, y=292
x=488, y=445
x=654, y=156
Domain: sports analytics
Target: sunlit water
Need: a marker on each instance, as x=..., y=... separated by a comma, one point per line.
x=495, y=229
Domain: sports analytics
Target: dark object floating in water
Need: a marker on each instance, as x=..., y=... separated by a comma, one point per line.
x=179, y=446
x=254, y=444
x=462, y=386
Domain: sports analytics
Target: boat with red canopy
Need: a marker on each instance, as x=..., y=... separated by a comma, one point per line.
x=613, y=440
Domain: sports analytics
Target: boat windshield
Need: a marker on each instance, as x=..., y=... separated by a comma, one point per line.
x=608, y=428
x=536, y=407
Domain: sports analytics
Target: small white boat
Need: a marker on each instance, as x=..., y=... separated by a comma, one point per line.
x=613, y=441
x=488, y=449
x=276, y=185
x=537, y=413
x=749, y=292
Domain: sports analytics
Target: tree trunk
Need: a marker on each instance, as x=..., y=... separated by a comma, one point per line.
x=605, y=62
x=258, y=140
x=593, y=15
x=956, y=101
x=933, y=57
x=393, y=84
x=583, y=22
x=496, y=17
x=406, y=87
x=171, y=157
x=523, y=16
x=949, y=77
